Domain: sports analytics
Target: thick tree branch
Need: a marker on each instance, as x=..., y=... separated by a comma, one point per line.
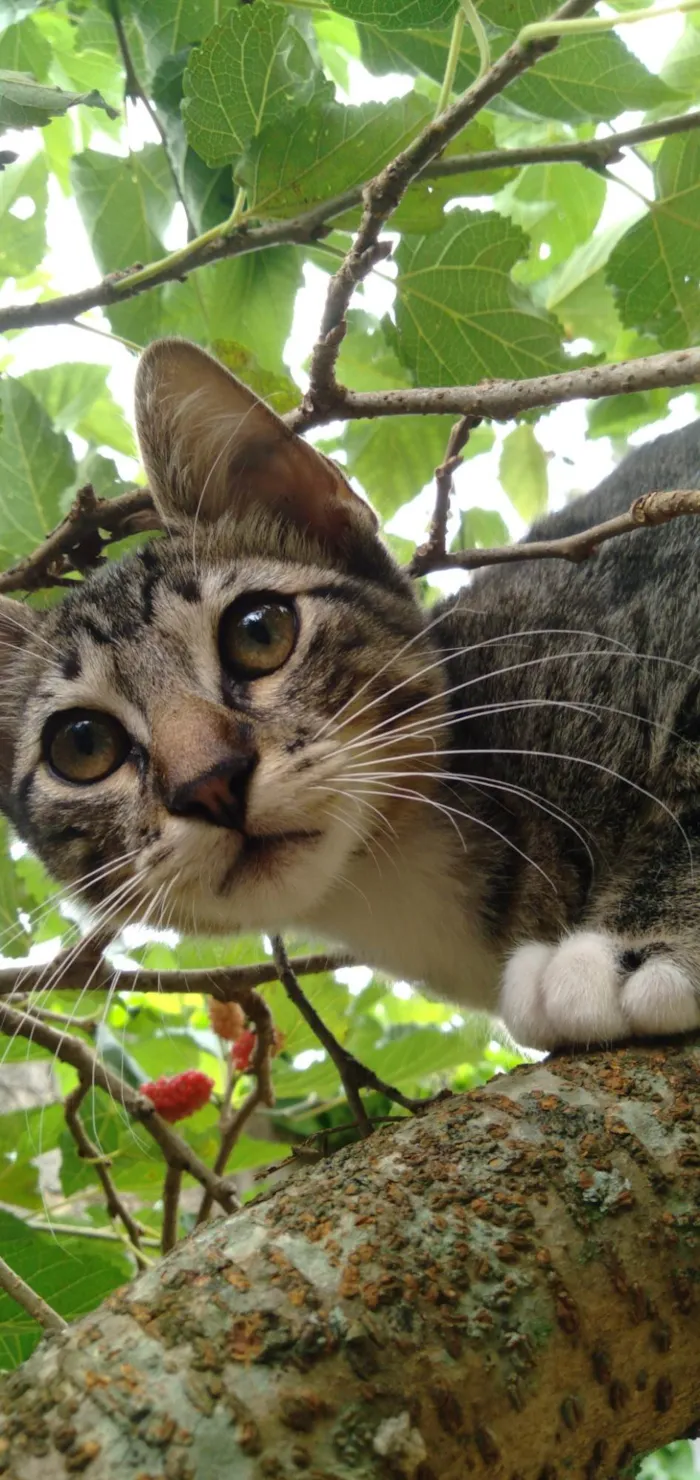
x=507, y=1286
x=384, y=193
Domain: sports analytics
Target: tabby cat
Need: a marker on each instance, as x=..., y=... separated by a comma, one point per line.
x=250, y=724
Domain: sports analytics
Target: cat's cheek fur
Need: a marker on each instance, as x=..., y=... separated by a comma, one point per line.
x=579, y=993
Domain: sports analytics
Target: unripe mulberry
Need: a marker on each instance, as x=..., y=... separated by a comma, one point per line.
x=180, y=1095
x=227, y=1019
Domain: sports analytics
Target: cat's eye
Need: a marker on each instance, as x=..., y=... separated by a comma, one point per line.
x=85, y=745
x=257, y=635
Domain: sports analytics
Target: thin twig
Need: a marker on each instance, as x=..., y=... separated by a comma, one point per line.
x=225, y=983
x=444, y=475
x=19, y=1290
x=91, y=1153
x=133, y=88
x=384, y=193
x=172, y=1187
x=649, y=510
x=77, y=1230
x=262, y=1093
x=89, y=1068
x=354, y=1075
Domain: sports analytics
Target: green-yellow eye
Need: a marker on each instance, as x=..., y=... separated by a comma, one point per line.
x=257, y=635
x=85, y=745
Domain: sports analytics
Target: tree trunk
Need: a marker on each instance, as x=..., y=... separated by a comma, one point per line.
x=507, y=1287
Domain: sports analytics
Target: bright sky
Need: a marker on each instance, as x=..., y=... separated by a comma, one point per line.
x=560, y=431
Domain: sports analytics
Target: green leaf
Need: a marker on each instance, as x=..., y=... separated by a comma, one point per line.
x=249, y=299
x=681, y=68
x=418, y=52
x=25, y=103
x=317, y=152
x=24, y=49
x=167, y=27
x=619, y=416
x=337, y=41
x=36, y=465
x=572, y=198
x=588, y=77
x=126, y=205
x=578, y=291
x=397, y=15
x=480, y=529
x=459, y=316
x=523, y=472
x=279, y=391
x=654, y=268
x=76, y=398
x=248, y=71
x=23, y=238
x=66, y=1272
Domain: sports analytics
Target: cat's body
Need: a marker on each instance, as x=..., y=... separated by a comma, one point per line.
x=499, y=799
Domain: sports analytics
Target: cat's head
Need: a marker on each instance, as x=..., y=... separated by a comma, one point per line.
x=185, y=737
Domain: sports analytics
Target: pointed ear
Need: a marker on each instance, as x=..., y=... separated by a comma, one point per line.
x=209, y=446
x=17, y=623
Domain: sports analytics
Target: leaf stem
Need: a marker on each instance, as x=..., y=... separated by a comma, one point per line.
x=478, y=30
x=448, y=80
x=591, y=24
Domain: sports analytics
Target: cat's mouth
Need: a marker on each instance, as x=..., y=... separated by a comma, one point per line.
x=262, y=848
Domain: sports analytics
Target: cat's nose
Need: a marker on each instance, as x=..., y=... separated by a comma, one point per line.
x=217, y=796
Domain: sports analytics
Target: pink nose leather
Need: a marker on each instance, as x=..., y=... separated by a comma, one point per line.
x=204, y=756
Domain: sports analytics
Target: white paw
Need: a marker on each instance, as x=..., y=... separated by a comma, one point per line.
x=564, y=994
x=579, y=993
x=660, y=998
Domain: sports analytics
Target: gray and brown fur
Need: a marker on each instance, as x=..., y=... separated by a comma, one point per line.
x=517, y=805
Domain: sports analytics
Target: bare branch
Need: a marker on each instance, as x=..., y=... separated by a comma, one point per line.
x=384, y=193
x=78, y=541
x=444, y=475
x=35, y=1307
x=500, y=400
x=214, y=246
x=354, y=1075
x=89, y=1068
x=225, y=983
x=649, y=510
x=172, y=1187
x=595, y=153
x=89, y=1152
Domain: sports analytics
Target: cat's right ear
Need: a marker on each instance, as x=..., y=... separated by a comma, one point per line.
x=211, y=447
x=17, y=624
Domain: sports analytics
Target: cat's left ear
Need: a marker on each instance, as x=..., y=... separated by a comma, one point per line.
x=209, y=446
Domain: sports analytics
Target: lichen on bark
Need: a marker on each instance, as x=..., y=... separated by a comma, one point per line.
x=507, y=1286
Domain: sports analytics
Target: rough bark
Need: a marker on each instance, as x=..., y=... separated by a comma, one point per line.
x=507, y=1287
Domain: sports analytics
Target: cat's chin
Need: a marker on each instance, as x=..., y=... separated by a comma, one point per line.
x=269, y=882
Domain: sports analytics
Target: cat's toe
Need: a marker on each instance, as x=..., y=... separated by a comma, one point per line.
x=566, y=994
x=660, y=998
x=521, y=1006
